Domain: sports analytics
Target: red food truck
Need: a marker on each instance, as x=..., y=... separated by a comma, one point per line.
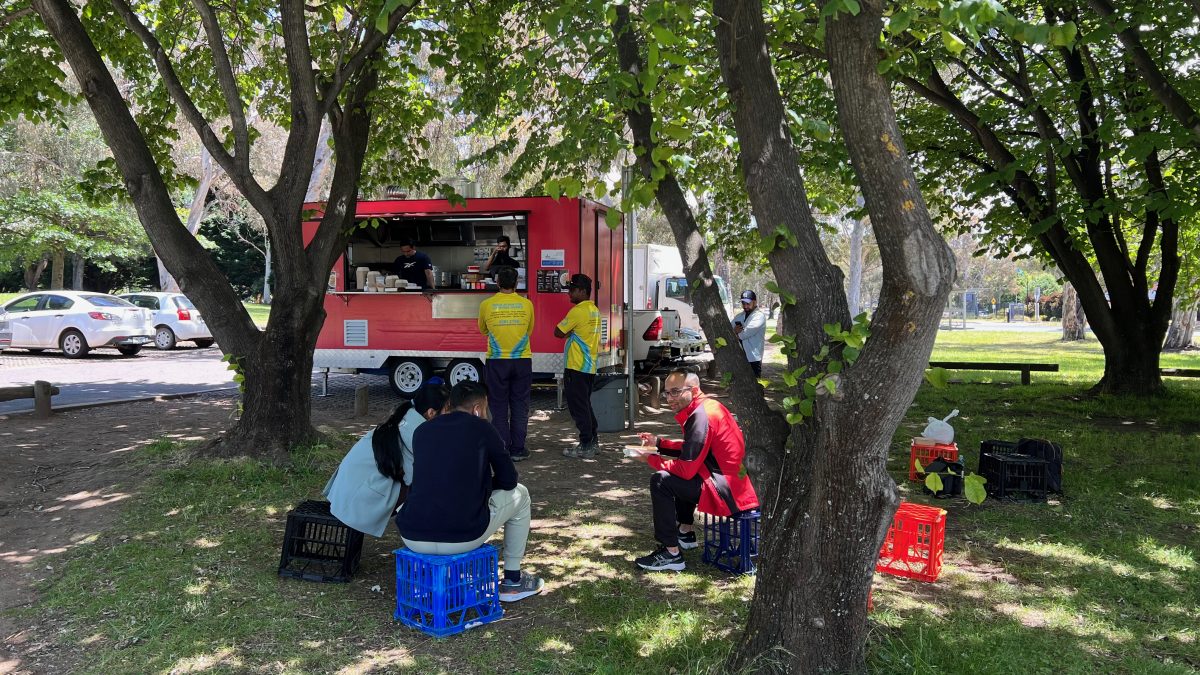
x=375, y=323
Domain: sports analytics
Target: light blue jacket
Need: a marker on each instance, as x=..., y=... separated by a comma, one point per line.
x=754, y=333
x=358, y=494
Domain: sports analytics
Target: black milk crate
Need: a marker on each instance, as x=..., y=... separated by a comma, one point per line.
x=319, y=547
x=1011, y=475
x=993, y=446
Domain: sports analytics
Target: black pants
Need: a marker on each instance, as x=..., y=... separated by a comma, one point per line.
x=673, y=501
x=577, y=387
x=756, y=366
x=508, y=383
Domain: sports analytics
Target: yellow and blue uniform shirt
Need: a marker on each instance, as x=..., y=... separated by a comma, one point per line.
x=507, y=321
x=582, y=327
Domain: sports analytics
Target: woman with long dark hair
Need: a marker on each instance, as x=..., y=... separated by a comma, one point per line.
x=371, y=480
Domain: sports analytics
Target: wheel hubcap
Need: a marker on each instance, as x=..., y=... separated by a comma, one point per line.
x=464, y=371
x=408, y=377
x=163, y=339
x=71, y=344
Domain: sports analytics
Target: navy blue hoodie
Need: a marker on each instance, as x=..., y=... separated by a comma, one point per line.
x=458, y=460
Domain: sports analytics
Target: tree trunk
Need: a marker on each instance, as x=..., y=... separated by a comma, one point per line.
x=825, y=524
x=1074, y=321
x=1183, y=327
x=33, y=272
x=854, y=284
x=277, y=389
x=266, y=294
x=57, y=270
x=77, y=264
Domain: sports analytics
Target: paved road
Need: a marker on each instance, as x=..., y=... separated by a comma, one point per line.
x=106, y=376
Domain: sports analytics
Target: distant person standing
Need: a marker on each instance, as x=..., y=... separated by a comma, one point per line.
x=751, y=328
x=413, y=266
x=507, y=320
x=581, y=328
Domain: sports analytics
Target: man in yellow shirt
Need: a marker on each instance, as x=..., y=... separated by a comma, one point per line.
x=581, y=328
x=507, y=320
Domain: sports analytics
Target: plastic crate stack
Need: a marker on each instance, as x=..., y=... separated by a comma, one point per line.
x=731, y=543
x=317, y=546
x=914, y=543
x=443, y=595
x=925, y=453
x=1012, y=475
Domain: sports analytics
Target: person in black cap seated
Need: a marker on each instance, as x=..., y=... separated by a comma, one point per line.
x=751, y=329
x=413, y=266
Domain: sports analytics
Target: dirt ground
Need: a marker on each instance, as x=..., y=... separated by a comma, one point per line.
x=65, y=480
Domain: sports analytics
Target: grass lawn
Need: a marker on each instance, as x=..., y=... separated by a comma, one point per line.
x=1106, y=579
x=258, y=313
x=5, y=297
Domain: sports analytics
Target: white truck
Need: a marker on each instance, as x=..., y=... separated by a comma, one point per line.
x=666, y=330
x=659, y=283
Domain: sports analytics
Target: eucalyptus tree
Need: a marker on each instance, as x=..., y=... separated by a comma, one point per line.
x=1049, y=120
x=348, y=63
x=696, y=93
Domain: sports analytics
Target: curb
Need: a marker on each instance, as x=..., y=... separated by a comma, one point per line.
x=135, y=399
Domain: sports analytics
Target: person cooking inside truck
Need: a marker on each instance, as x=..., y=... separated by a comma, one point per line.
x=413, y=266
x=501, y=257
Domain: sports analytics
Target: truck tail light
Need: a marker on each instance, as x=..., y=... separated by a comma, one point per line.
x=184, y=315
x=654, y=330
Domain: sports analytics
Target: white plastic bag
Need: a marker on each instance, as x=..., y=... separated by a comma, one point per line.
x=940, y=431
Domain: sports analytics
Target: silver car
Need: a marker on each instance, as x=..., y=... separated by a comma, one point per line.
x=175, y=319
x=76, y=322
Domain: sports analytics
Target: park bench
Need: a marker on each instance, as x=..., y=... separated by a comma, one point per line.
x=1180, y=372
x=1025, y=368
x=40, y=391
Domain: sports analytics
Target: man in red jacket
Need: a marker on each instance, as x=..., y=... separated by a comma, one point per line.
x=704, y=469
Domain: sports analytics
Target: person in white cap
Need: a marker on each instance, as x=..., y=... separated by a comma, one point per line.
x=751, y=328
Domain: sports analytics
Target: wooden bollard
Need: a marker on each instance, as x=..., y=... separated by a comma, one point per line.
x=42, y=391
x=713, y=372
x=360, y=401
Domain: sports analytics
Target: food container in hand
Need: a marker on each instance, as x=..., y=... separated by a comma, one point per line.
x=637, y=450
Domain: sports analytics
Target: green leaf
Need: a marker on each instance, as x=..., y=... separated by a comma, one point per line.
x=720, y=342
x=953, y=44
x=973, y=488
x=917, y=465
x=612, y=218
x=933, y=481
x=938, y=378
x=900, y=21
x=806, y=407
x=795, y=418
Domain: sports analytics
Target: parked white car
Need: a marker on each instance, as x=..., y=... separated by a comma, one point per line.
x=76, y=322
x=175, y=319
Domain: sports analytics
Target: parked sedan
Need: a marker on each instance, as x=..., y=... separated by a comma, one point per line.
x=175, y=319
x=76, y=322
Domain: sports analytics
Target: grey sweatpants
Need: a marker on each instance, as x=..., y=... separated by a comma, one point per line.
x=510, y=509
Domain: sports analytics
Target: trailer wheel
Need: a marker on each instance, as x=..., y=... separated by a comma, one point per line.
x=408, y=374
x=464, y=369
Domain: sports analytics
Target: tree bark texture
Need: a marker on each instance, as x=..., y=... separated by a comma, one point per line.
x=1074, y=322
x=77, y=263
x=1183, y=327
x=825, y=524
x=57, y=270
x=33, y=272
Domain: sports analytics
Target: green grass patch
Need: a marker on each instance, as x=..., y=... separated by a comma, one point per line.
x=5, y=297
x=258, y=313
x=1105, y=579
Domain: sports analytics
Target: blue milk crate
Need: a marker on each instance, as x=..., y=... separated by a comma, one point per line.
x=447, y=594
x=731, y=543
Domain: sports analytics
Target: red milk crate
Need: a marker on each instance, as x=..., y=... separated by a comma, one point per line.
x=913, y=547
x=926, y=453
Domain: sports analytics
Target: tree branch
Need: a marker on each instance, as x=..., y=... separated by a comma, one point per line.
x=15, y=16
x=371, y=43
x=244, y=179
x=1167, y=94
x=228, y=82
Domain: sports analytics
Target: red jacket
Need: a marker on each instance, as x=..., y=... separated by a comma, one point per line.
x=713, y=448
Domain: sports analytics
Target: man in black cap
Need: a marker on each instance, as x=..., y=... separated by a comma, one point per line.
x=751, y=329
x=581, y=328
